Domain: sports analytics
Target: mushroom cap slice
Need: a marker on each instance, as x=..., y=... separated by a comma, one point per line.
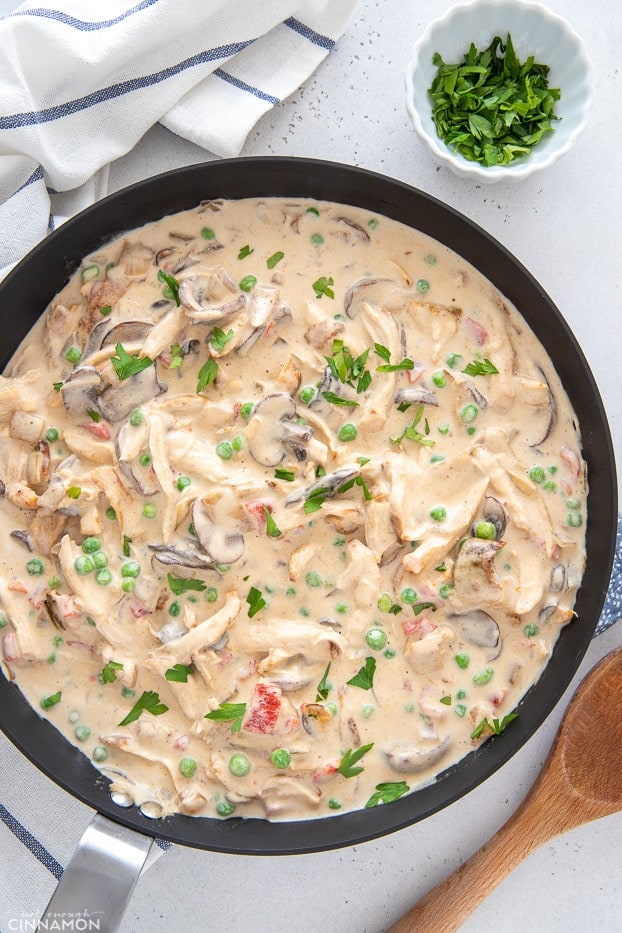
x=478, y=628
x=222, y=545
x=409, y=758
x=117, y=401
x=266, y=432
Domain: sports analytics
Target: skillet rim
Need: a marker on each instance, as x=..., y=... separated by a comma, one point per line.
x=56, y=258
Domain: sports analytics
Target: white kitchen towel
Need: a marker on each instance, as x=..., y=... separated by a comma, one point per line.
x=81, y=82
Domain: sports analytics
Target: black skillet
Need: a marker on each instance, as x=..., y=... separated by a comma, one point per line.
x=24, y=295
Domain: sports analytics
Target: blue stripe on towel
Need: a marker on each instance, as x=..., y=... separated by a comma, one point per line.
x=243, y=86
x=59, y=111
x=83, y=25
x=315, y=37
x=38, y=850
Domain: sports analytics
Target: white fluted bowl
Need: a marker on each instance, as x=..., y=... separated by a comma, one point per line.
x=535, y=30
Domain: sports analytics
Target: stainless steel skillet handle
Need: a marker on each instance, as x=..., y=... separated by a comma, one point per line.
x=98, y=881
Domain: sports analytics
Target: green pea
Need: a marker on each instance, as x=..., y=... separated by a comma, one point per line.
x=389, y=653
x=485, y=530
x=462, y=660
x=347, y=432
x=453, y=359
x=367, y=710
x=341, y=608
x=443, y=429
x=422, y=286
x=174, y=609
x=224, y=808
x=438, y=513
x=149, y=510
x=100, y=559
x=111, y=514
x=469, y=413
x=246, y=410
x=376, y=638
x=224, y=450
x=537, y=474
x=384, y=602
x=130, y=568
x=82, y=733
x=84, y=565
x=574, y=520
x=436, y=458
x=103, y=577
x=34, y=567
x=211, y=594
x=460, y=694
x=239, y=765
x=280, y=758
x=334, y=804
x=409, y=707
x=439, y=379
x=100, y=753
x=531, y=630
x=317, y=239
x=188, y=767
x=408, y=595
x=237, y=443
x=460, y=709
x=73, y=355
x=207, y=233
x=182, y=482
x=73, y=716
x=307, y=394
x=145, y=460
x=483, y=677
x=445, y=589
x=51, y=435
x=313, y=578
x=128, y=586
x=248, y=282
x=136, y=417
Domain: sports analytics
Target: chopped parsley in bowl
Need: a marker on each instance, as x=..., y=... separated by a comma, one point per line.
x=498, y=90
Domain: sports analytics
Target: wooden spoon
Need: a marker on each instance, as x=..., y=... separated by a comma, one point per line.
x=580, y=781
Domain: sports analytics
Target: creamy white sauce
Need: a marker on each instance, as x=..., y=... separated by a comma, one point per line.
x=434, y=566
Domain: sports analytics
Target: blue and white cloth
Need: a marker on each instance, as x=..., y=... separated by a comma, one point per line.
x=81, y=83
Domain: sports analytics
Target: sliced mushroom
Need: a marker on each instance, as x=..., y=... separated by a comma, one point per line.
x=410, y=758
x=222, y=545
x=495, y=513
x=266, y=430
x=414, y=395
x=355, y=230
x=117, y=401
x=358, y=292
x=186, y=555
x=80, y=391
x=210, y=297
x=329, y=485
x=558, y=578
x=547, y=415
x=478, y=628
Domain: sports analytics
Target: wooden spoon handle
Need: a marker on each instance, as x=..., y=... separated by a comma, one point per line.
x=447, y=906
